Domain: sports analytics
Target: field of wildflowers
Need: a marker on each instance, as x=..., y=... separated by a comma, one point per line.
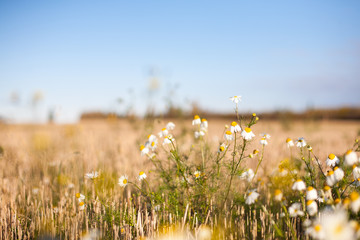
x=180, y=180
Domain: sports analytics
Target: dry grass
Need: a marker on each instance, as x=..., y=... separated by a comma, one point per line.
x=43, y=167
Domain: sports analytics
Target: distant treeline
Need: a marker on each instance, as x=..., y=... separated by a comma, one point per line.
x=344, y=113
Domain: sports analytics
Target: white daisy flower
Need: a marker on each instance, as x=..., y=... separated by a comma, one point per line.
x=170, y=126
x=228, y=136
x=332, y=160
x=123, y=181
x=197, y=174
x=356, y=172
x=92, y=175
x=204, y=124
x=355, y=202
x=144, y=150
x=330, y=178
x=81, y=206
x=350, y=158
x=263, y=141
x=80, y=197
x=311, y=193
x=247, y=134
x=295, y=210
x=142, y=176
x=248, y=175
x=222, y=148
x=265, y=135
x=198, y=134
x=311, y=207
x=164, y=132
x=301, y=142
x=196, y=121
x=168, y=139
x=235, y=128
x=299, y=185
x=236, y=99
x=338, y=173
x=336, y=225
x=278, y=195
x=151, y=143
x=316, y=232
x=251, y=197
x=289, y=142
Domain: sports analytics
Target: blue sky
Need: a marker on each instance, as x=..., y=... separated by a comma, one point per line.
x=83, y=55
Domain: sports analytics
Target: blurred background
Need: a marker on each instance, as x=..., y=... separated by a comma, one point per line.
x=61, y=61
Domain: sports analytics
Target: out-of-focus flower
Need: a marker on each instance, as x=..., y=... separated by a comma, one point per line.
x=330, y=178
x=311, y=193
x=336, y=225
x=164, y=132
x=81, y=206
x=123, y=181
x=295, y=210
x=196, y=121
x=301, y=142
x=350, y=158
x=236, y=99
x=80, y=197
x=170, y=126
x=263, y=141
x=311, y=207
x=204, y=124
x=168, y=139
x=355, y=202
x=289, y=142
x=144, y=150
x=251, y=197
x=197, y=174
x=222, y=148
x=265, y=135
x=332, y=160
x=356, y=172
x=247, y=134
x=248, y=175
x=316, y=231
x=278, y=195
x=338, y=173
x=228, y=136
x=299, y=185
x=142, y=176
x=92, y=175
x=235, y=127
x=198, y=134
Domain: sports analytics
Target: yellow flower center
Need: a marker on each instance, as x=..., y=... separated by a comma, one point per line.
x=125, y=181
x=336, y=168
x=354, y=166
x=317, y=228
x=326, y=188
x=331, y=156
x=222, y=148
x=254, y=114
x=354, y=196
x=77, y=195
x=234, y=124
x=348, y=152
x=141, y=173
x=197, y=175
x=346, y=201
x=228, y=133
x=164, y=129
x=309, y=202
x=299, y=180
x=196, y=117
x=310, y=188
x=142, y=147
x=81, y=204
x=153, y=144
x=277, y=192
x=248, y=130
x=122, y=230
x=339, y=228
x=203, y=120
x=255, y=151
x=337, y=201
x=330, y=173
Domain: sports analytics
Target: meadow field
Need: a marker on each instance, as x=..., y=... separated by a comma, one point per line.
x=111, y=180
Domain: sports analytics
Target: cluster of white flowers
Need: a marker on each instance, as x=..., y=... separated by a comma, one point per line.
x=202, y=126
